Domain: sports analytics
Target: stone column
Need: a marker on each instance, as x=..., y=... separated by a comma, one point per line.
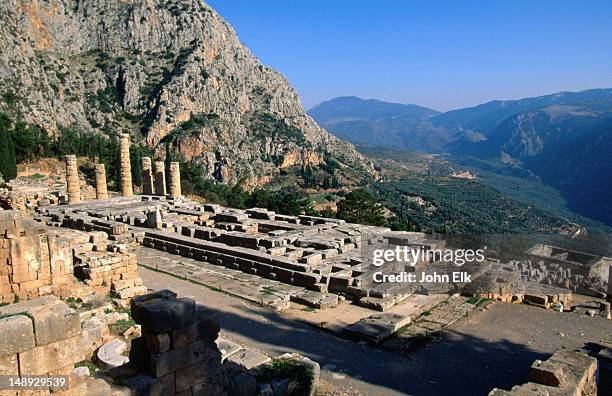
x=72, y=179
x=609, y=296
x=147, y=176
x=125, y=166
x=101, y=191
x=175, y=180
x=160, y=178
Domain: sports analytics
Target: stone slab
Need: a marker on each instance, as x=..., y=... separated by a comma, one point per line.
x=54, y=356
x=248, y=359
x=227, y=347
x=17, y=334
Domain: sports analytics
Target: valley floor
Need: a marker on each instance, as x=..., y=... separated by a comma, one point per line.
x=492, y=348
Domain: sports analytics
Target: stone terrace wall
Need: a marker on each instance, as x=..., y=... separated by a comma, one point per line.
x=43, y=336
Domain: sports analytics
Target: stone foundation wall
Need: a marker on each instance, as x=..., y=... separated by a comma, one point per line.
x=44, y=337
x=564, y=373
x=33, y=263
x=36, y=260
x=105, y=272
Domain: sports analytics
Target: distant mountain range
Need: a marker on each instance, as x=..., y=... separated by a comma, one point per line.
x=371, y=121
x=564, y=139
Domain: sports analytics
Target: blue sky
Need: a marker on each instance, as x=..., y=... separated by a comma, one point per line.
x=439, y=54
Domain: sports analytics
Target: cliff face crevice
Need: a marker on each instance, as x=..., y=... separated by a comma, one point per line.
x=171, y=72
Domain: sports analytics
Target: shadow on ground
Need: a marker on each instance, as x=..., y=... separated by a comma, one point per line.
x=457, y=363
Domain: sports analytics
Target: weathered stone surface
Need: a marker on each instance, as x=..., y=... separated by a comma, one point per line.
x=9, y=365
x=562, y=369
x=101, y=190
x=142, y=384
x=53, y=319
x=125, y=167
x=72, y=179
x=378, y=327
x=204, y=328
x=17, y=335
x=147, y=176
x=248, y=359
x=227, y=347
x=157, y=342
x=175, y=180
x=54, y=356
x=160, y=364
x=315, y=299
x=564, y=373
x=110, y=354
x=163, y=315
x=160, y=178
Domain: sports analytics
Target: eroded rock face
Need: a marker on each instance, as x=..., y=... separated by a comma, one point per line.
x=173, y=70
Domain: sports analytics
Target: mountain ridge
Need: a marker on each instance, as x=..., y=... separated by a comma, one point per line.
x=171, y=73
x=515, y=137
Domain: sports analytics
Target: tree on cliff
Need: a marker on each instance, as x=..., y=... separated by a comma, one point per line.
x=8, y=162
x=360, y=206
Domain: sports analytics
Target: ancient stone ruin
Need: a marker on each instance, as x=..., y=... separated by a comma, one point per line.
x=564, y=373
x=176, y=353
x=66, y=245
x=37, y=261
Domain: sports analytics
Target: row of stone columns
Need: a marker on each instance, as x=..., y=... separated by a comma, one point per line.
x=153, y=178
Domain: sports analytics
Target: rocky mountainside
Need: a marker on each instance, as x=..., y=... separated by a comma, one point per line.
x=171, y=72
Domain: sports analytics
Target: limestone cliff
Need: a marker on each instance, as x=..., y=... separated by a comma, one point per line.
x=167, y=71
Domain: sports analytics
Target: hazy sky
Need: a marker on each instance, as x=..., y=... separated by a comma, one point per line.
x=439, y=54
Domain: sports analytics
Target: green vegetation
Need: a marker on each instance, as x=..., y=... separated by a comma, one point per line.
x=284, y=201
x=267, y=290
x=32, y=143
x=360, y=206
x=8, y=162
x=89, y=364
x=459, y=206
x=121, y=326
x=37, y=176
x=264, y=125
x=192, y=126
x=297, y=372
